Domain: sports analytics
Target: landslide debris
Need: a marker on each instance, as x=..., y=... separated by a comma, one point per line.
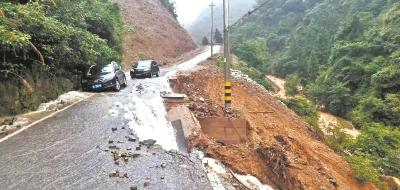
x=152, y=32
x=283, y=152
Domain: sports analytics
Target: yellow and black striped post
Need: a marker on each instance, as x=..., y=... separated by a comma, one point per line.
x=228, y=95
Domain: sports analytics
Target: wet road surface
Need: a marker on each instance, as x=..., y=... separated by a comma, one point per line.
x=96, y=145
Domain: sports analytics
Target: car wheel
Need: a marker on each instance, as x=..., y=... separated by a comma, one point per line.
x=117, y=85
x=125, y=82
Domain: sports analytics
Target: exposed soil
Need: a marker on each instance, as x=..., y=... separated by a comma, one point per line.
x=153, y=33
x=283, y=151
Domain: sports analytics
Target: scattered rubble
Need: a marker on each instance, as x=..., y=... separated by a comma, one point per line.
x=118, y=174
x=147, y=183
x=148, y=143
x=283, y=151
x=63, y=100
x=131, y=138
x=10, y=125
x=170, y=95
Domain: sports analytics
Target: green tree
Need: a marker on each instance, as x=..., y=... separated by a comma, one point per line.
x=292, y=85
x=205, y=41
x=218, y=37
x=346, y=54
x=381, y=144
x=330, y=94
x=305, y=109
x=254, y=52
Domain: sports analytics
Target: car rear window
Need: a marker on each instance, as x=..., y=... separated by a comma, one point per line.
x=143, y=64
x=100, y=69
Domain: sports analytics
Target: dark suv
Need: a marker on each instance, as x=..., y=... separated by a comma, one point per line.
x=143, y=69
x=104, y=76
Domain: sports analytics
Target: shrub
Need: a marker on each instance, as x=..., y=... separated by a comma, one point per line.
x=292, y=85
x=304, y=109
x=364, y=170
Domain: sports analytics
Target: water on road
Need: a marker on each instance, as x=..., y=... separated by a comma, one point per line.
x=86, y=146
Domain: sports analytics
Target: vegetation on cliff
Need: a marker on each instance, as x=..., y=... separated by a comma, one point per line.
x=346, y=56
x=45, y=45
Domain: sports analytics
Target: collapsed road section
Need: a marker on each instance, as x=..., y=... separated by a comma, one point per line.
x=282, y=150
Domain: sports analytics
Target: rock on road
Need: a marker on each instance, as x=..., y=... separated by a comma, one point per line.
x=86, y=146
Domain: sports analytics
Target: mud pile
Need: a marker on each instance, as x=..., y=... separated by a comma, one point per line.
x=152, y=32
x=283, y=151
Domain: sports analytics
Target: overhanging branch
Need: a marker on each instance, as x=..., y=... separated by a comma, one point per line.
x=37, y=52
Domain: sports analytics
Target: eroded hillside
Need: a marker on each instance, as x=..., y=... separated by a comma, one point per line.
x=283, y=151
x=152, y=32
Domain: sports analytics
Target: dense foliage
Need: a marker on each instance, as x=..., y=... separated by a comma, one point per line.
x=346, y=55
x=48, y=43
x=304, y=109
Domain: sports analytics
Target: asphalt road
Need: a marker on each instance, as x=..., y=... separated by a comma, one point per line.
x=75, y=149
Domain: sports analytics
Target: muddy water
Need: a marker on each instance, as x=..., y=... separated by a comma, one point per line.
x=280, y=83
x=328, y=121
x=325, y=120
x=146, y=112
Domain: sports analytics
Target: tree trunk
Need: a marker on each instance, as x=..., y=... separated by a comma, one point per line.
x=24, y=82
x=37, y=52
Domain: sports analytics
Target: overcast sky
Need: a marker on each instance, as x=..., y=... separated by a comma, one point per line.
x=189, y=10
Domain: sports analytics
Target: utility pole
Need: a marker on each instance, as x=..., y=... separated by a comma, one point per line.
x=228, y=60
x=212, y=28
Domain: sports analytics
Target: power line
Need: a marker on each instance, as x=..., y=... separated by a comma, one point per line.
x=250, y=13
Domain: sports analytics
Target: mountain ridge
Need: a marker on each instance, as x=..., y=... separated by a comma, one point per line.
x=202, y=25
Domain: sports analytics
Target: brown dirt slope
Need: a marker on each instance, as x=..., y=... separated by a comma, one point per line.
x=153, y=32
x=283, y=152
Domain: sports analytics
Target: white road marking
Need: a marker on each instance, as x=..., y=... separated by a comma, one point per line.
x=43, y=119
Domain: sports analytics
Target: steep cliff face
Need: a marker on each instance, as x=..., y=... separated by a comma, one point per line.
x=152, y=32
